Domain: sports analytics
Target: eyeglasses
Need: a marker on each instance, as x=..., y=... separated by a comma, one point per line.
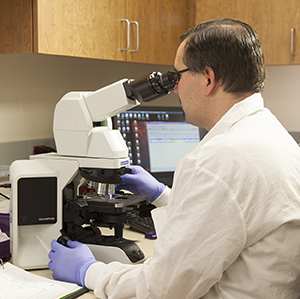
x=176, y=76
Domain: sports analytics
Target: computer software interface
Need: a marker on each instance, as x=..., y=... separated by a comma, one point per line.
x=156, y=139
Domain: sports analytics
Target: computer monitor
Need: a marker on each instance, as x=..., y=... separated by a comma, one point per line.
x=156, y=138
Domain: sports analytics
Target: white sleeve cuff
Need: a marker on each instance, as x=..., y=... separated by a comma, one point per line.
x=162, y=199
x=93, y=273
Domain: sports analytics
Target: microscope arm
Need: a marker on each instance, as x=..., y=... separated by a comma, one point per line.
x=73, y=122
x=75, y=113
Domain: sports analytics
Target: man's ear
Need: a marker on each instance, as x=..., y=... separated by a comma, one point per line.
x=210, y=79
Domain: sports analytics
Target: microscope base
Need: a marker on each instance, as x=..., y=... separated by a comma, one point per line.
x=107, y=254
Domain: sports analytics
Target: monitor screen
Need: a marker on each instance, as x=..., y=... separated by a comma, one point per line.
x=156, y=138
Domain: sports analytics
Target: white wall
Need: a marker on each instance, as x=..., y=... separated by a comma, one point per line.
x=282, y=95
x=31, y=85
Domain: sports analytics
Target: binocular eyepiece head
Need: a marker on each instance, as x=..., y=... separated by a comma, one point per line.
x=152, y=86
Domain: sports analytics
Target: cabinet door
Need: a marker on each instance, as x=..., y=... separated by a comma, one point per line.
x=272, y=20
x=160, y=22
x=16, y=26
x=89, y=28
x=254, y=12
x=285, y=17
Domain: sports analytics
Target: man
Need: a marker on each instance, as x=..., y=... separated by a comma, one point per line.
x=232, y=218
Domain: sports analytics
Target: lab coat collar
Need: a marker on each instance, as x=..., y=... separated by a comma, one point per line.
x=238, y=111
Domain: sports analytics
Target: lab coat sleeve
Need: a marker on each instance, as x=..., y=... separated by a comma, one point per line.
x=162, y=200
x=204, y=234
x=114, y=280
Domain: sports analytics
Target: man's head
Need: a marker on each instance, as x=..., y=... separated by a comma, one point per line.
x=225, y=65
x=231, y=49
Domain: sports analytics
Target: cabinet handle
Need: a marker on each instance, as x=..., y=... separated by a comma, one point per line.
x=128, y=34
x=137, y=36
x=292, y=41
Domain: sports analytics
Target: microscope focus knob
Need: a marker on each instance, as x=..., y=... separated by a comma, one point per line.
x=63, y=240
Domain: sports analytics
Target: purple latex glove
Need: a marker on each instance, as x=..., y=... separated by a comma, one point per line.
x=70, y=263
x=141, y=182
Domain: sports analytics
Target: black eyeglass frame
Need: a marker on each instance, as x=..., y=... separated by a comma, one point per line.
x=175, y=77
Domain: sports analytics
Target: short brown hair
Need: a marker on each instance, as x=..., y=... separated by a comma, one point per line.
x=231, y=49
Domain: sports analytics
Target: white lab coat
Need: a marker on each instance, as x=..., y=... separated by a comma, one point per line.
x=232, y=219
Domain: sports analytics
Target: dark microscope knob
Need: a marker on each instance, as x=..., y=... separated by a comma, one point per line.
x=63, y=240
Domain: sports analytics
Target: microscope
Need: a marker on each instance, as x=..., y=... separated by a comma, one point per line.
x=70, y=194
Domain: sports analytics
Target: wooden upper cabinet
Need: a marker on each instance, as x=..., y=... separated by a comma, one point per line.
x=125, y=30
x=286, y=44
x=140, y=31
x=159, y=24
x=16, y=26
x=89, y=28
x=273, y=20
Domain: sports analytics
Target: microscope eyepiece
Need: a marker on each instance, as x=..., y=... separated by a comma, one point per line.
x=151, y=86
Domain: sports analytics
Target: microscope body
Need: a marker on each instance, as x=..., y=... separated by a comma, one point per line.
x=46, y=194
x=36, y=208
x=42, y=208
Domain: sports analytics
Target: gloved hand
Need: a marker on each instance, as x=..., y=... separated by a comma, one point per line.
x=70, y=263
x=141, y=182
